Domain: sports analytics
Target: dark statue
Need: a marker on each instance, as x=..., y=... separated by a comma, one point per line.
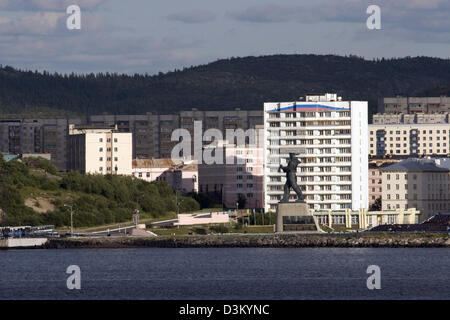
x=291, y=179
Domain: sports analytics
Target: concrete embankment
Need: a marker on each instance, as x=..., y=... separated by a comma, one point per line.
x=22, y=243
x=260, y=241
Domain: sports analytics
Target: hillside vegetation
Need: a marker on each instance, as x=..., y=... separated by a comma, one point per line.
x=34, y=193
x=225, y=84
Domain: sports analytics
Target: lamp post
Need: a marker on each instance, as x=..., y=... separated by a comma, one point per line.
x=71, y=217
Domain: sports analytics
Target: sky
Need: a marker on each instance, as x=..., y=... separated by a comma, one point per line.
x=151, y=36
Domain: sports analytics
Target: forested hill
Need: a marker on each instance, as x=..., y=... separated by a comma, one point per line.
x=225, y=84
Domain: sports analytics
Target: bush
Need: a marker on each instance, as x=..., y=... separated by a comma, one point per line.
x=96, y=199
x=199, y=230
x=221, y=228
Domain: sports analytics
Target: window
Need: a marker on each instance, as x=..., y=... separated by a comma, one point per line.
x=100, y=169
x=100, y=140
x=115, y=149
x=115, y=139
x=100, y=149
x=100, y=159
x=148, y=175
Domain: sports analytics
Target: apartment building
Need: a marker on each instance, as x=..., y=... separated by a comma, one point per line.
x=404, y=118
x=375, y=189
x=329, y=137
x=375, y=177
x=423, y=184
x=180, y=175
x=409, y=139
x=240, y=176
x=99, y=150
x=152, y=133
x=400, y=104
x=30, y=135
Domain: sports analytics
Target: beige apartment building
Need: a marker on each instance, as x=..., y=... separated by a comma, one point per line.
x=402, y=104
x=416, y=183
x=404, y=118
x=99, y=150
x=409, y=139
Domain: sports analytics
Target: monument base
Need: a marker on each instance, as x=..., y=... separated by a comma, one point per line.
x=295, y=217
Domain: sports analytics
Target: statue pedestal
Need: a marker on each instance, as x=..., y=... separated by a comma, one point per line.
x=295, y=217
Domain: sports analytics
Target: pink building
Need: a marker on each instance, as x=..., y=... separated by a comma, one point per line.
x=375, y=190
x=180, y=175
x=241, y=175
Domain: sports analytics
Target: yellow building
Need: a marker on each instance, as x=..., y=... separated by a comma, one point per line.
x=416, y=183
x=409, y=139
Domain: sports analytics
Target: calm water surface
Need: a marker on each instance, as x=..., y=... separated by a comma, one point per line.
x=226, y=273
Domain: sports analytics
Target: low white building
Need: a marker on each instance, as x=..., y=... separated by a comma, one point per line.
x=202, y=218
x=180, y=175
x=99, y=150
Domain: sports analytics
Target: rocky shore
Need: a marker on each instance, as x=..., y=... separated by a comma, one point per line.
x=259, y=241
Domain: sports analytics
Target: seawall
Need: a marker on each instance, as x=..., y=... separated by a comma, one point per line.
x=258, y=241
x=22, y=243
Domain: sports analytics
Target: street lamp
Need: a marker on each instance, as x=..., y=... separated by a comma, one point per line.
x=71, y=217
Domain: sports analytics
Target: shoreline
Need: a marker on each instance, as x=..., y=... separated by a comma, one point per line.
x=257, y=241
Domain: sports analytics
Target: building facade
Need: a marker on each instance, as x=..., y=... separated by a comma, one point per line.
x=181, y=176
x=152, y=133
x=415, y=118
x=375, y=184
x=30, y=135
x=402, y=104
x=416, y=183
x=240, y=176
x=330, y=138
x=99, y=150
x=409, y=139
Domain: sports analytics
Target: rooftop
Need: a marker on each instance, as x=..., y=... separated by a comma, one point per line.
x=165, y=163
x=415, y=165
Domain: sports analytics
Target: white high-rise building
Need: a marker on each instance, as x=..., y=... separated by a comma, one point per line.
x=330, y=138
